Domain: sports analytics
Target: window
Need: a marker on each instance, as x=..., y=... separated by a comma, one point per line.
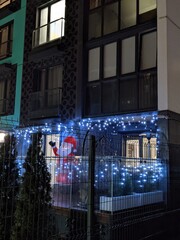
x=140, y=146
x=148, y=50
x=4, y=96
x=47, y=87
x=4, y=3
x=128, y=13
x=122, y=75
x=94, y=64
x=108, y=16
x=110, y=52
x=51, y=23
x=128, y=55
x=6, y=33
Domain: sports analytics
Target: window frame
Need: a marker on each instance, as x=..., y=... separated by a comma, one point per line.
x=9, y=42
x=38, y=27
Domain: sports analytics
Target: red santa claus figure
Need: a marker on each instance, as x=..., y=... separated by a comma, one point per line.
x=66, y=157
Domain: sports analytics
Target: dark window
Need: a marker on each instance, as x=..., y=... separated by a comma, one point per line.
x=47, y=87
x=4, y=96
x=6, y=38
x=93, y=103
x=128, y=94
x=148, y=90
x=110, y=97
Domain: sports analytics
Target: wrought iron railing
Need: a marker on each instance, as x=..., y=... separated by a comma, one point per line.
x=48, y=32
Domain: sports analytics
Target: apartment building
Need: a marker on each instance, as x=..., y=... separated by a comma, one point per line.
x=107, y=68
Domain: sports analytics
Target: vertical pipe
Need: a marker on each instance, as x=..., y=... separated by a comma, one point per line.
x=91, y=171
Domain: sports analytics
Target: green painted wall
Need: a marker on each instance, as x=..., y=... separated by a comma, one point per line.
x=17, y=58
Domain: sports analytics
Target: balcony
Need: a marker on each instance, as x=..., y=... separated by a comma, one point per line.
x=45, y=103
x=48, y=33
x=4, y=103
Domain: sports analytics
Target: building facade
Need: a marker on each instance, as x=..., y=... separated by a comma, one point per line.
x=107, y=68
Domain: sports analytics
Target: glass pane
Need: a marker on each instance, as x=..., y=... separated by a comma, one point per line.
x=95, y=24
x=93, y=100
x=4, y=41
x=94, y=62
x=128, y=13
x=132, y=148
x=111, y=18
x=94, y=3
x=110, y=52
x=128, y=95
x=148, y=51
x=2, y=85
x=148, y=91
x=110, y=97
x=43, y=25
x=146, y=5
x=128, y=55
x=57, y=16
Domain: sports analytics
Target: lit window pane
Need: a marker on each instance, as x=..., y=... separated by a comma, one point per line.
x=146, y=5
x=110, y=60
x=128, y=55
x=111, y=18
x=95, y=24
x=93, y=68
x=43, y=25
x=57, y=15
x=128, y=13
x=148, y=51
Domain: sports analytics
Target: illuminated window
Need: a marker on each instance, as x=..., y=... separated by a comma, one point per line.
x=51, y=23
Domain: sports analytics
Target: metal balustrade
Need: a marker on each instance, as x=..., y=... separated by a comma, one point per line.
x=48, y=32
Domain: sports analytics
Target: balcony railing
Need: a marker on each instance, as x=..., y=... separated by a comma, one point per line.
x=45, y=103
x=48, y=32
x=4, y=106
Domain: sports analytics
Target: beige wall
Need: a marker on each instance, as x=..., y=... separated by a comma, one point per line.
x=169, y=55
